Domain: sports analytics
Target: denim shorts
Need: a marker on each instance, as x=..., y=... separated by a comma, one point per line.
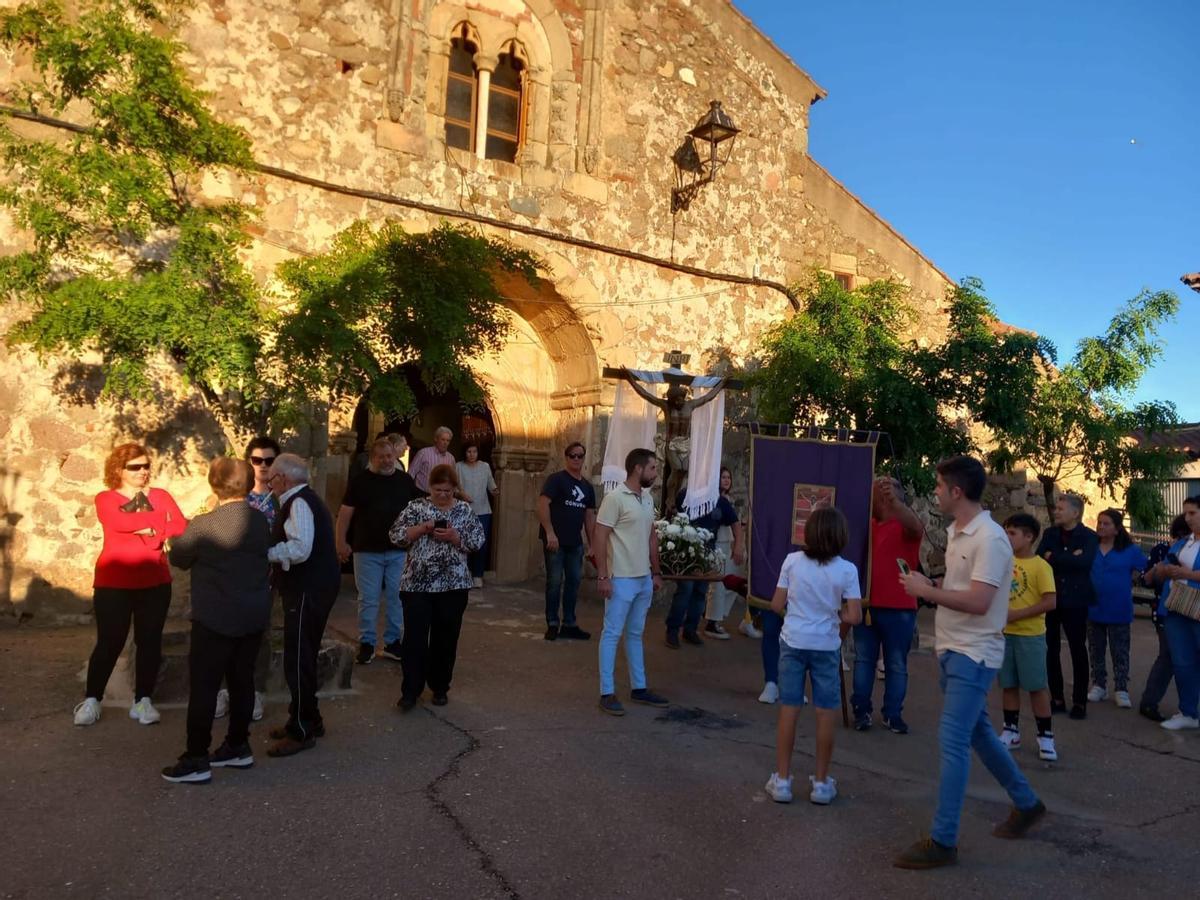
x=1024, y=663
x=822, y=667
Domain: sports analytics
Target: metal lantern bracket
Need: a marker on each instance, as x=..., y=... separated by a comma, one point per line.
x=704, y=152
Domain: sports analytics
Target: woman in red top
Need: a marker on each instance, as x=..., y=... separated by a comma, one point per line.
x=132, y=580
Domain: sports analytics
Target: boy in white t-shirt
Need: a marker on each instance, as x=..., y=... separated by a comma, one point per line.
x=819, y=591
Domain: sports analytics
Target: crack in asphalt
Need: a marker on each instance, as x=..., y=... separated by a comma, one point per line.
x=1156, y=750
x=432, y=793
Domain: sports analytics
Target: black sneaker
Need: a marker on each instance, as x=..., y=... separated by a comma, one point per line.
x=551, y=633
x=926, y=854
x=895, y=725
x=366, y=653
x=573, y=633
x=189, y=770
x=1078, y=711
x=611, y=705
x=672, y=640
x=862, y=721
x=1019, y=822
x=234, y=757
x=1150, y=711
x=691, y=637
x=391, y=651
x=647, y=696
x=440, y=698
x=406, y=704
x=1058, y=706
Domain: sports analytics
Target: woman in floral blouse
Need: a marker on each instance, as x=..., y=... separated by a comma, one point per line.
x=439, y=533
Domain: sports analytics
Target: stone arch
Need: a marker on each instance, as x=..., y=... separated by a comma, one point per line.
x=541, y=34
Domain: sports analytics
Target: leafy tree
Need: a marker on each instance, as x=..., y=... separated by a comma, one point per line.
x=379, y=300
x=843, y=362
x=124, y=258
x=1078, y=424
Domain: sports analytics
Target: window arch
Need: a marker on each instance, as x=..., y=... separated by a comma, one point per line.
x=506, y=107
x=462, y=90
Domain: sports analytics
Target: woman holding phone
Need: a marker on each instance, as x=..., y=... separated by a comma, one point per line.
x=439, y=532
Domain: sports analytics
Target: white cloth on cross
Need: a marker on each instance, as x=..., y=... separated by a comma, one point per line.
x=633, y=424
x=704, y=454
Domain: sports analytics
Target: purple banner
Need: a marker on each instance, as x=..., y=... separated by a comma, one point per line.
x=789, y=477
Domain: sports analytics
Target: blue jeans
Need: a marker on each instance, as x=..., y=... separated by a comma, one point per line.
x=625, y=613
x=376, y=573
x=564, y=568
x=893, y=630
x=477, y=561
x=1183, y=637
x=687, y=606
x=772, y=628
x=964, y=725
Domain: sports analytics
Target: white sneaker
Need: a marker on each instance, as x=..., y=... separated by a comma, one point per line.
x=144, y=712
x=770, y=693
x=1046, y=749
x=1097, y=693
x=88, y=712
x=1122, y=699
x=477, y=582
x=258, y=707
x=222, y=704
x=823, y=792
x=1010, y=738
x=1180, y=722
x=779, y=789
x=748, y=629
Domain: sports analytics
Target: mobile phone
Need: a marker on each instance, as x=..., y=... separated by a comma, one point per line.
x=904, y=569
x=1172, y=559
x=440, y=524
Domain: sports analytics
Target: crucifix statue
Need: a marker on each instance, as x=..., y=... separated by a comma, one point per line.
x=676, y=404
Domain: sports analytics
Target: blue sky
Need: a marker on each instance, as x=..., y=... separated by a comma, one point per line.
x=997, y=138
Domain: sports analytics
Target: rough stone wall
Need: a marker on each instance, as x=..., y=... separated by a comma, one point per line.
x=352, y=92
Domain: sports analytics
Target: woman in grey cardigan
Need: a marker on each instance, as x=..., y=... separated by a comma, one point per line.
x=226, y=550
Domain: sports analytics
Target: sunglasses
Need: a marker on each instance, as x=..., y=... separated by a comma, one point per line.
x=262, y=460
x=137, y=467
x=575, y=455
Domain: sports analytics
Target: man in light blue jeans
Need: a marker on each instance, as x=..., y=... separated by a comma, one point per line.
x=627, y=575
x=376, y=575
x=972, y=611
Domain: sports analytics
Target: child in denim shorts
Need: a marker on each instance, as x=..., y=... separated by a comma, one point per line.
x=819, y=591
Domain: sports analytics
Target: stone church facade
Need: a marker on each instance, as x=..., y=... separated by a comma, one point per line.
x=559, y=115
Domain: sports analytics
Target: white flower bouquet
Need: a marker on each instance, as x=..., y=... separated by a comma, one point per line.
x=684, y=549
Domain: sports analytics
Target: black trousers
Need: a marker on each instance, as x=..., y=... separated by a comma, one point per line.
x=113, y=609
x=304, y=616
x=1074, y=622
x=432, y=623
x=1161, y=672
x=213, y=658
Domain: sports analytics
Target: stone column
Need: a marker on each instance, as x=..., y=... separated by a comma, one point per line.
x=485, y=65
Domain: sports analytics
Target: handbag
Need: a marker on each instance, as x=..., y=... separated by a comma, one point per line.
x=1184, y=600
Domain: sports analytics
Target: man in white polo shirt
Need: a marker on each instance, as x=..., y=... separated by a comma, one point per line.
x=626, y=552
x=969, y=634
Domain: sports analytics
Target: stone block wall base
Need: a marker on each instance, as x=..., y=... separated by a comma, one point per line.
x=335, y=669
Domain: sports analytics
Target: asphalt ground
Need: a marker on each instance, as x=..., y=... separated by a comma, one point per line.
x=522, y=788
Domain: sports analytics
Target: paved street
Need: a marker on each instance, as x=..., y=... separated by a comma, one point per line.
x=521, y=788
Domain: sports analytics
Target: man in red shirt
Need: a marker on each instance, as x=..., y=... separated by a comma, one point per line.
x=896, y=533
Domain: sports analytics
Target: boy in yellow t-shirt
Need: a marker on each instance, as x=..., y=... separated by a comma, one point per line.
x=1024, y=667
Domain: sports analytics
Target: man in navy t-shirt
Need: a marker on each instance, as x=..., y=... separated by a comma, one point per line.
x=566, y=510
x=687, y=606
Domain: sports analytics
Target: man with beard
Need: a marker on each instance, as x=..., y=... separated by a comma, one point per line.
x=626, y=551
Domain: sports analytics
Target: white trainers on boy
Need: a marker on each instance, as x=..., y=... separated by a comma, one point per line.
x=1046, y=748
x=1180, y=722
x=1097, y=693
x=88, y=712
x=748, y=629
x=144, y=713
x=1121, y=698
x=222, y=704
x=823, y=792
x=1010, y=737
x=779, y=789
x=770, y=693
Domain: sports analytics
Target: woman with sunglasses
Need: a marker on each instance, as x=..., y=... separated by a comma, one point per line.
x=133, y=581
